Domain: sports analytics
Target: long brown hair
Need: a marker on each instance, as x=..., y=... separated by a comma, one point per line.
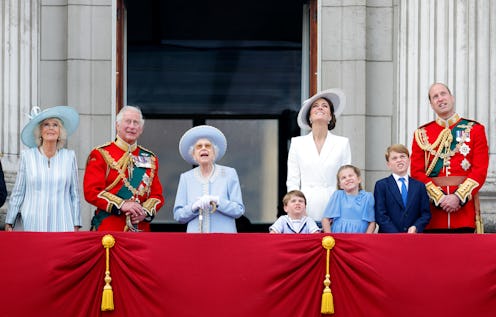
x=332, y=123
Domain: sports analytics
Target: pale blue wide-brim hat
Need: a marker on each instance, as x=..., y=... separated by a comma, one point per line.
x=66, y=114
x=194, y=134
x=335, y=95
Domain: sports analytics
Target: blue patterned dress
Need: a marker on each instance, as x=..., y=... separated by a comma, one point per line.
x=46, y=192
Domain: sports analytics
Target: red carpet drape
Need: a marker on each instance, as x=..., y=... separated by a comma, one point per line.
x=178, y=274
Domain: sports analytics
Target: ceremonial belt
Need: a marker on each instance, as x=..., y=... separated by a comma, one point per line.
x=449, y=180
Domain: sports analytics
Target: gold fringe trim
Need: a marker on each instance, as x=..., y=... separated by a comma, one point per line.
x=108, y=242
x=327, y=306
x=479, y=224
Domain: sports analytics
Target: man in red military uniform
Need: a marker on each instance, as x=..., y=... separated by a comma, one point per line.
x=121, y=179
x=451, y=156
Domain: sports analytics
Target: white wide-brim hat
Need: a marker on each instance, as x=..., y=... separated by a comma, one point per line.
x=66, y=114
x=335, y=95
x=194, y=134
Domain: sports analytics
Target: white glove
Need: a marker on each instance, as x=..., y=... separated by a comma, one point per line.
x=205, y=202
x=196, y=205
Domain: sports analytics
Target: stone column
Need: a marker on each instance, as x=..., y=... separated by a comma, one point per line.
x=357, y=54
x=18, y=71
x=342, y=64
x=19, y=79
x=89, y=80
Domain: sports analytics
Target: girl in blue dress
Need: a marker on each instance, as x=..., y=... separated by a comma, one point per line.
x=350, y=209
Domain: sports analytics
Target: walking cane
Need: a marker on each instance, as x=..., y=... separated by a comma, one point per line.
x=200, y=216
x=200, y=220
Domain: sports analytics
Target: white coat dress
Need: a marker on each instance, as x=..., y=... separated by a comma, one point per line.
x=313, y=173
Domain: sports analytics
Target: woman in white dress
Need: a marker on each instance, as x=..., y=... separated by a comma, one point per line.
x=314, y=159
x=46, y=192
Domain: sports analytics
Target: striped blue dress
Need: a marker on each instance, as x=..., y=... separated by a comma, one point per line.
x=46, y=192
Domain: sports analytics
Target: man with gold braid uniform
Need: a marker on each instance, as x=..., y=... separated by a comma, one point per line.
x=121, y=179
x=451, y=156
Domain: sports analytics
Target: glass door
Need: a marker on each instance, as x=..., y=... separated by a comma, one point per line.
x=236, y=66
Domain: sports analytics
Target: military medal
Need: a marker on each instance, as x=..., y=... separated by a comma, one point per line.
x=146, y=180
x=464, y=149
x=142, y=161
x=462, y=136
x=459, y=135
x=465, y=164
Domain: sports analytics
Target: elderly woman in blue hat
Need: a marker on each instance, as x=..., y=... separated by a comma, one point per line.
x=208, y=197
x=46, y=191
x=314, y=159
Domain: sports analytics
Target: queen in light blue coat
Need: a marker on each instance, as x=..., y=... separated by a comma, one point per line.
x=209, y=196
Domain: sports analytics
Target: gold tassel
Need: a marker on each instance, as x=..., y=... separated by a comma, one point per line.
x=327, y=306
x=479, y=224
x=108, y=241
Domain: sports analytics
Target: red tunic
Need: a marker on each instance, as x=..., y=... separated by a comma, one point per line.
x=467, y=155
x=107, y=184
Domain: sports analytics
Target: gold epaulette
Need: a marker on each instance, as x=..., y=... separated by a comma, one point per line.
x=471, y=120
x=428, y=123
x=147, y=150
x=435, y=193
x=103, y=145
x=96, y=148
x=464, y=191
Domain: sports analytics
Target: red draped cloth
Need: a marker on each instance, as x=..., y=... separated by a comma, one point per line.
x=252, y=275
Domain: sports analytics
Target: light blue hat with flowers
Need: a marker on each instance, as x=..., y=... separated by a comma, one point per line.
x=194, y=134
x=66, y=114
